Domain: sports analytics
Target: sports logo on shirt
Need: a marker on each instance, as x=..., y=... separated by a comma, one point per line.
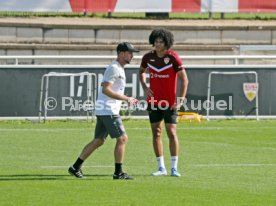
x=154, y=75
x=166, y=60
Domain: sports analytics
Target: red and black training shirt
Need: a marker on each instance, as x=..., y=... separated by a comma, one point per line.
x=163, y=76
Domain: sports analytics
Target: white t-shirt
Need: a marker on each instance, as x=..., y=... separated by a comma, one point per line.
x=114, y=74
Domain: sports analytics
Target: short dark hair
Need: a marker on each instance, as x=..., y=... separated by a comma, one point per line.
x=163, y=34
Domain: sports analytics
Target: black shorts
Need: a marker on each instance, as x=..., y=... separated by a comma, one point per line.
x=158, y=114
x=109, y=125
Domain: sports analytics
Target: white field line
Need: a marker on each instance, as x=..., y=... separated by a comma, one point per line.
x=42, y=130
x=227, y=145
x=231, y=165
x=270, y=148
x=213, y=143
x=90, y=129
x=191, y=165
x=95, y=166
x=132, y=128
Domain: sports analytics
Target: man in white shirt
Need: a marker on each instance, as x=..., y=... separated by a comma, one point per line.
x=107, y=110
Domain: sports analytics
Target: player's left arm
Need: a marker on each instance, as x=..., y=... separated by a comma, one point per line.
x=182, y=76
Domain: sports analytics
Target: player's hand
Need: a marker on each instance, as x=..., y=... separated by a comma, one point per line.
x=176, y=107
x=148, y=92
x=132, y=101
x=178, y=104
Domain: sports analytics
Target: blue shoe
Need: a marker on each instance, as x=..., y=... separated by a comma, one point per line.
x=161, y=172
x=175, y=173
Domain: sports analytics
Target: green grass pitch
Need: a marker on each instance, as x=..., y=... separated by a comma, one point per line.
x=230, y=162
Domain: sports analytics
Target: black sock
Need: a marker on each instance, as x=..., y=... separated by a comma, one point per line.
x=78, y=163
x=118, y=168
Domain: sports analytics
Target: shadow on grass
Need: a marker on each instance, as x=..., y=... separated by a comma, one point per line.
x=24, y=177
x=29, y=177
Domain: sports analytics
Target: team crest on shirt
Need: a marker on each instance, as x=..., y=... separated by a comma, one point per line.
x=166, y=60
x=250, y=90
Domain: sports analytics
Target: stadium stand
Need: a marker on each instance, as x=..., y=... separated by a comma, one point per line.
x=92, y=36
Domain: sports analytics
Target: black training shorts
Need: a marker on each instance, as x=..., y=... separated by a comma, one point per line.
x=157, y=114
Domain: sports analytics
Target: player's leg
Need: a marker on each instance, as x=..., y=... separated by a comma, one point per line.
x=155, y=117
x=117, y=130
x=119, y=150
x=91, y=147
x=156, y=129
x=119, y=154
x=157, y=143
x=100, y=136
x=173, y=139
x=170, y=117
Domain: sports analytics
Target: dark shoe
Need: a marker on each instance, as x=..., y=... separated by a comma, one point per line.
x=122, y=176
x=75, y=172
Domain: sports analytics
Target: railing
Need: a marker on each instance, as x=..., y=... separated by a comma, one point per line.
x=236, y=59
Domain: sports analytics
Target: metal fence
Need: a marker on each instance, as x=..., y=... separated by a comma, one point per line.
x=232, y=59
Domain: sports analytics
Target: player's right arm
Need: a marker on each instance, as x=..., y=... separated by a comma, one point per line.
x=142, y=78
x=107, y=90
x=110, y=76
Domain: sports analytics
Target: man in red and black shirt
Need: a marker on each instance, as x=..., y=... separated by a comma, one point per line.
x=163, y=66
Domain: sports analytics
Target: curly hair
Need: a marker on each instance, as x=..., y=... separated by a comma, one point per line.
x=164, y=34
